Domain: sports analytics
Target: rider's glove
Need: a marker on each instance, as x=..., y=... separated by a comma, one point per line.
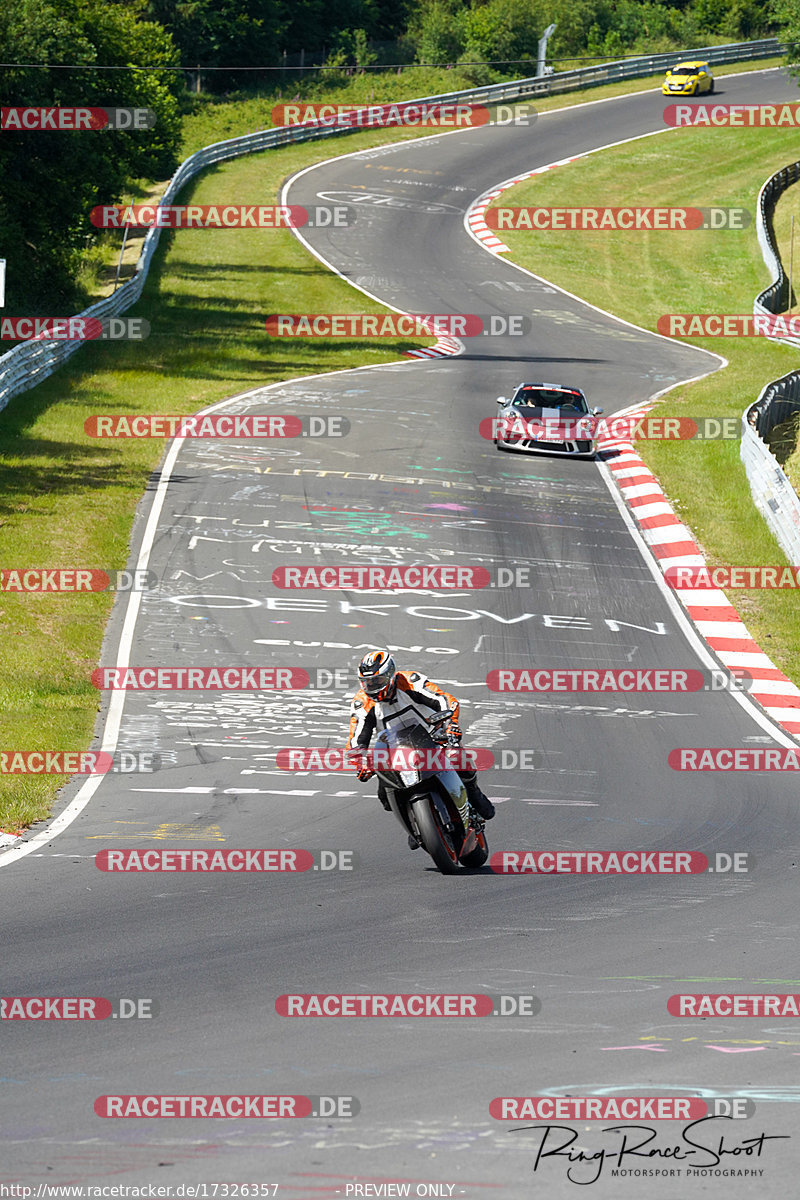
x=453, y=734
x=364, y=774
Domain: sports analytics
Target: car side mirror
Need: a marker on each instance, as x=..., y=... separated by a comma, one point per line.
x=597, y=412
x=501, y=400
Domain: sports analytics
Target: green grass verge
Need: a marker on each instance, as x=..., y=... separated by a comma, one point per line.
x=66, y=500
x=642, y=275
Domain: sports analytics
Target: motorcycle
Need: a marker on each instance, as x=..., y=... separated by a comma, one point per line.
x=424, y=800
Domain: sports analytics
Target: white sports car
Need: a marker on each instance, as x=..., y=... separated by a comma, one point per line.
x=547, y=418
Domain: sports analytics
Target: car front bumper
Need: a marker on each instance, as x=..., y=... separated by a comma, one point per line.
x=582, y=449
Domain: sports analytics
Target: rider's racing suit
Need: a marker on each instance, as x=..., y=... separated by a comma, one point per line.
x=415, y=697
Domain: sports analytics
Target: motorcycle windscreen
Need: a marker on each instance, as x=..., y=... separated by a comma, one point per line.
x=406, y=737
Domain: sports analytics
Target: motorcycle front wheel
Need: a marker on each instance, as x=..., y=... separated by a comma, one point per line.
x=478, y=856
x=435, y=838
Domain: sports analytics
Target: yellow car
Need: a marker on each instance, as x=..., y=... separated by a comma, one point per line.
x=688, y=79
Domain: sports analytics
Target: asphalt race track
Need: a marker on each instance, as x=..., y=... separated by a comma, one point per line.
x=413, y=482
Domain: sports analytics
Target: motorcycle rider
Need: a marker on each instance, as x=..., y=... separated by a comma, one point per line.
x=388, y=695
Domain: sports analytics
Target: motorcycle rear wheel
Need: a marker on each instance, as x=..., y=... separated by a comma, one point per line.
x=435, y=839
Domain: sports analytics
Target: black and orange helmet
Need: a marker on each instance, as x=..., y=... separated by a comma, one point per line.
x=377, y=674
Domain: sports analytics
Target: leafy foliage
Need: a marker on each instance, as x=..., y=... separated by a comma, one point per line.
x=501, y=32
x=49, y=180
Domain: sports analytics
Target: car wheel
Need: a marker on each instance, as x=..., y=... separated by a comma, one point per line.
x=711, y=87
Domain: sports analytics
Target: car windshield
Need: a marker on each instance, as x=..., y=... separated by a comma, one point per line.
x=550, y=398
x=686, y=70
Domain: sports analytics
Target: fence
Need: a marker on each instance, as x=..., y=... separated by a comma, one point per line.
x=777, y=297
x=773, y=494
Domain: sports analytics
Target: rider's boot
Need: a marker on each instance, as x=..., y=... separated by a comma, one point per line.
x=481, y=803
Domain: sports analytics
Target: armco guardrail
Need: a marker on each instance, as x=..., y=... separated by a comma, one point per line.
x=775, y=298
x=27, y=364
x=773, y=494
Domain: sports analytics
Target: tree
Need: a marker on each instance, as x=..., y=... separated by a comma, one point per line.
x=222, y=33
x=787, y=15
x=50, y=180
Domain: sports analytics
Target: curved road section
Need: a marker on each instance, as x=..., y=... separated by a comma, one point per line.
x=413, y=482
